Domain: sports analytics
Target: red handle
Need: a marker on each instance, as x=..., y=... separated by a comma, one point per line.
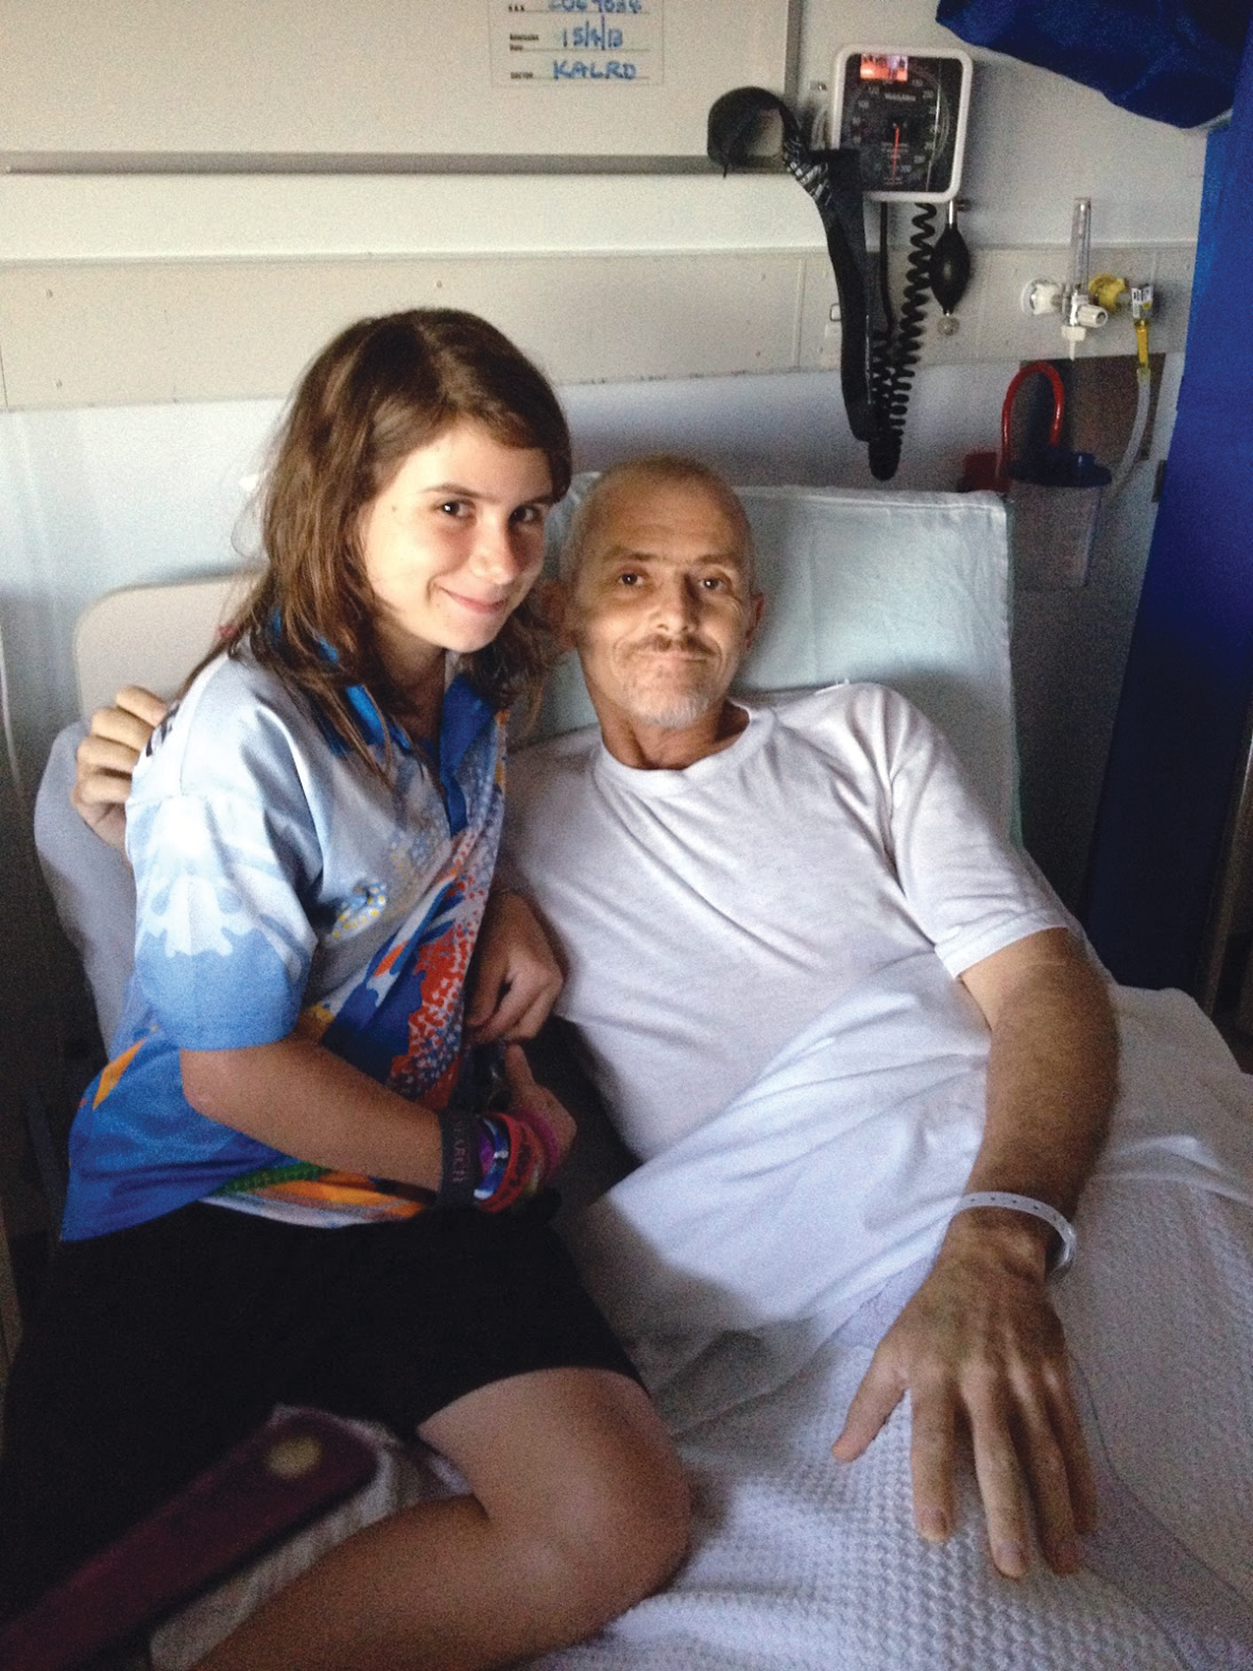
x=1007, y=410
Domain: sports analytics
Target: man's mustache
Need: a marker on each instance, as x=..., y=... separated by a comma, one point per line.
x=662, y=643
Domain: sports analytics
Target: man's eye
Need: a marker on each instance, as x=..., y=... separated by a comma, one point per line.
x=629, y=577
x=714, y=583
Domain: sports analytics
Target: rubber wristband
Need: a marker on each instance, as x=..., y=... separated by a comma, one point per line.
x=1064, y=1257
x=524, y=1170
x=494, y=1150
x=539, y=1125
x=461, y=1170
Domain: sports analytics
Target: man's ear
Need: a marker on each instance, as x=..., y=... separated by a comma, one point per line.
x=553, y=597
x=756, y=609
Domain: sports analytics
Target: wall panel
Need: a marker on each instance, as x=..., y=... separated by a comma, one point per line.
x=103, y=333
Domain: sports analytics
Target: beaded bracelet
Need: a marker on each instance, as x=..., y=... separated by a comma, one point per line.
x=1064, y=1258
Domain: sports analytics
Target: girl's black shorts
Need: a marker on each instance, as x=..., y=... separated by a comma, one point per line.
x=156, y=1348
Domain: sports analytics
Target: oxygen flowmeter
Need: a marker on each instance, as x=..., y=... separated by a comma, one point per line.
x=904, y=113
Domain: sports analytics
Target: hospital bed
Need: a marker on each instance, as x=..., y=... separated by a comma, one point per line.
x=800, y=1564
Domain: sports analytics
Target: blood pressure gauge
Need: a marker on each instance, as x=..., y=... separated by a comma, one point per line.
x=905, y=114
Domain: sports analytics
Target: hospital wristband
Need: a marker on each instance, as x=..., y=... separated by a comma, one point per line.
x=1065, y=1256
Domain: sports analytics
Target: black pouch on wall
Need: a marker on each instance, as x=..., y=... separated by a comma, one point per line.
x=1173, y=60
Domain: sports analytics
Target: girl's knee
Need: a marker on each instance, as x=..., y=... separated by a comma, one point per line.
x=619, y=1537
x=587, y=1503
x=650, y=1531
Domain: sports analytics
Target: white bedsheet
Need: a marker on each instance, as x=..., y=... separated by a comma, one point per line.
x=769, y=1305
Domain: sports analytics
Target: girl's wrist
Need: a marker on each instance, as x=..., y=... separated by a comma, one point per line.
x=491, y=1161
x=539, y=1124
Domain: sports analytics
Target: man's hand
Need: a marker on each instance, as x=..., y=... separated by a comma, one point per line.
x=979, y=1350
x=106, y=758
x=515, y=978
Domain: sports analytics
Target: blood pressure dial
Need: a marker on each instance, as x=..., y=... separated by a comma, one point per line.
x=904, y=113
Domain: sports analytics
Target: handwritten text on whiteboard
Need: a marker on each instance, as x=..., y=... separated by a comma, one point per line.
x=543, y=43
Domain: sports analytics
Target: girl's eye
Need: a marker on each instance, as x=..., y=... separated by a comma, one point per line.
x=455, y=507
x=529, y=515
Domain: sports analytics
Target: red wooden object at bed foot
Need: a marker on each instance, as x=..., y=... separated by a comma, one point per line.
x=291, y=1470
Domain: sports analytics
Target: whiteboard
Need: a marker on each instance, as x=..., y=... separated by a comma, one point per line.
x=377, y=84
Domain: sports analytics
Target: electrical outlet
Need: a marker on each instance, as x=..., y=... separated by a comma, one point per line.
x=829, y=348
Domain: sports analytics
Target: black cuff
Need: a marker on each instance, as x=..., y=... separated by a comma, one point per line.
x=461, y=1175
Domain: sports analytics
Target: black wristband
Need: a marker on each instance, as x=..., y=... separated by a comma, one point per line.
x=461, y=1173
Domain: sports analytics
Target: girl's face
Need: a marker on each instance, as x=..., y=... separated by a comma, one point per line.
x=452, y=545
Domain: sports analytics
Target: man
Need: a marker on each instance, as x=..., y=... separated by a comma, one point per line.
x=701, y=848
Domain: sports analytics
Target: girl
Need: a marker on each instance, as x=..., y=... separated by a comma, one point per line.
x=249, y=1217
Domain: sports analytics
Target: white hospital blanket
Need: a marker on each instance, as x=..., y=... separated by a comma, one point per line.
x=764, y=1329
x=801, y=1564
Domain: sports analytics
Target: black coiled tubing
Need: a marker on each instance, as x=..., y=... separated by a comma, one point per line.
x=896, y=347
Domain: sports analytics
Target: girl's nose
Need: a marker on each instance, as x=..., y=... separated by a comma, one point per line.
x=496, y=554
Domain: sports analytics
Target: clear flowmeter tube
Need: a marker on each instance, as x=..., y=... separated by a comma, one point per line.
x=1080, y=248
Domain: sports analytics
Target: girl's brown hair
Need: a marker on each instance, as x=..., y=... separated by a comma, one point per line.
x=382, y=388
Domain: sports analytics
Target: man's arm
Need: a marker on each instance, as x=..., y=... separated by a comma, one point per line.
x=106, y=758
x=979, y=1347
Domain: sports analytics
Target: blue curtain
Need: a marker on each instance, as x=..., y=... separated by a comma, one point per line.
x=1181, y=732
x=1174, y=60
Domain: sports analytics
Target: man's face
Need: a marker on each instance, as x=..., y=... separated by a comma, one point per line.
x=661, y=610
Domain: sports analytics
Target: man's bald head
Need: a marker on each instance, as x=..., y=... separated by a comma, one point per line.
x=637, y=476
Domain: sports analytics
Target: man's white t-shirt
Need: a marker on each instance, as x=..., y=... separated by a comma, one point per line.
x=707, y=916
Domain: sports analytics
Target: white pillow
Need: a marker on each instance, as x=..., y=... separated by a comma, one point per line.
x=91, y=884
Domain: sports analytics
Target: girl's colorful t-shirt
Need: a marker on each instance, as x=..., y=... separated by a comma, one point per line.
x=282, y=887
